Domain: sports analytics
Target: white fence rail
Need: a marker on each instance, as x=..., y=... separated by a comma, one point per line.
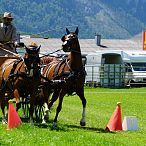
x=114, y=75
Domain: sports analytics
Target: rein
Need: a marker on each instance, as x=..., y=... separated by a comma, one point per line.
x=15, y=65
x=49, y=53
x=3, y=48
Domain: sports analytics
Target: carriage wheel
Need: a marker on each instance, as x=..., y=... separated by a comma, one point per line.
x=38, y=110
x=25, y=107
x=39, y=113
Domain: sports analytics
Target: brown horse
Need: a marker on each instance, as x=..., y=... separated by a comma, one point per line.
x=20, y=77
x=68, y=75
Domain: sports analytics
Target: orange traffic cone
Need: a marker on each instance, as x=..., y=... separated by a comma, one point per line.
x=13, y=118
x=115, y=122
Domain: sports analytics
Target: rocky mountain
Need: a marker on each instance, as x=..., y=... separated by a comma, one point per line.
x=110, y=19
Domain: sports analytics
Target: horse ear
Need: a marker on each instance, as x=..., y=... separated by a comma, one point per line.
x=77, y=31
x=63, y=38
x=67, y=31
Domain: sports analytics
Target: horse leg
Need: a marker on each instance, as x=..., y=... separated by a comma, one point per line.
x=46, y=96
x=25, y=106
x=5, y=115
x=61, y=95
x=49, y=105
x=3, y=104
x=46, y=115
x=17, y=96
x=54, y=98
x=82, y=97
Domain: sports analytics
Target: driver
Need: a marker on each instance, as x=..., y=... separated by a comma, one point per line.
x=8, y=36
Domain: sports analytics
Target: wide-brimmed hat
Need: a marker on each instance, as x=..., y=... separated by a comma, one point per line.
x=33, y=48
x=33, y=44
x=8, y=15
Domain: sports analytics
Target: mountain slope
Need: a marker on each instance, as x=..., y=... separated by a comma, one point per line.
x=111, y=19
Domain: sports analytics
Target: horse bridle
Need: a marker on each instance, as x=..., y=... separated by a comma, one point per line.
x=66, y=46
x=33, y=61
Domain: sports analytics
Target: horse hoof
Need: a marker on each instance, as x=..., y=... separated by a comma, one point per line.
x=82, y=123
x=31, y=123
x=54, y=125
x=25, y=116
x=46, y=118
x=43, y=122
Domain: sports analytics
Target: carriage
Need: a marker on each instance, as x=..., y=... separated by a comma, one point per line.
x=7, y=88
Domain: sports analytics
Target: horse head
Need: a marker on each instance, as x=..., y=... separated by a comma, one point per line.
x=70, y=39
x=31, y=58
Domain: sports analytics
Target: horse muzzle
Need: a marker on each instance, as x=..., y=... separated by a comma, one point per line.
x=66, y=47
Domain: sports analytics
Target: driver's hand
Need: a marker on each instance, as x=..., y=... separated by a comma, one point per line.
x=21, y=44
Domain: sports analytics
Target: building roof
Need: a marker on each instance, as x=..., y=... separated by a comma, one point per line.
x=87, y=45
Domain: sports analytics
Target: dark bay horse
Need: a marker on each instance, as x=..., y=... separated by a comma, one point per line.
x=20, y=76
x=68, y=74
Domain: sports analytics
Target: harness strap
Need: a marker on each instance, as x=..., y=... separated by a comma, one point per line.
x=15, y=65
x=11, y=75
x=68, y=65
x=62, y=74
x=58, y=67
x=45, y=78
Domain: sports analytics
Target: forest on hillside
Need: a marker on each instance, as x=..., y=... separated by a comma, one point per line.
x=110, y=19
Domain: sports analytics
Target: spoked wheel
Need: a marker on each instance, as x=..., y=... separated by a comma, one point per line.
x=39, y=108
x=25, y=106
x=39, y=113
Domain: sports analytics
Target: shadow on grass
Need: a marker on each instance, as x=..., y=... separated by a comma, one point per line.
x=63, y=127
x=99, y=130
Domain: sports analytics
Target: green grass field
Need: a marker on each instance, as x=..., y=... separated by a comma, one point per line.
x=101, y=103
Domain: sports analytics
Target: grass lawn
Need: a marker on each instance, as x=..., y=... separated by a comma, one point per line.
x=101, y=103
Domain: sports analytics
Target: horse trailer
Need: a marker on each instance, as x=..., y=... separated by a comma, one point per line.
x=115, y=68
